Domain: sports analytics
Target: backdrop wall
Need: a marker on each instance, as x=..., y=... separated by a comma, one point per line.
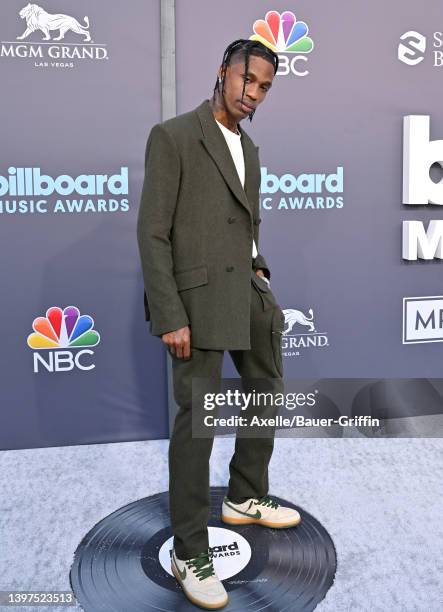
x=331, y=146
x=88, y=112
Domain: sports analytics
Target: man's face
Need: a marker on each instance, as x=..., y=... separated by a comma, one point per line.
x=258, y=81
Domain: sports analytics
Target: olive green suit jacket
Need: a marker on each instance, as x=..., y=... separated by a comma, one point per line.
x=195, y=229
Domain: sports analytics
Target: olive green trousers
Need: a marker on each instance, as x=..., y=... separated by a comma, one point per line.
x=189, y=495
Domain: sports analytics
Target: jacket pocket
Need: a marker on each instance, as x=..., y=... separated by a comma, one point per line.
x=191, y=277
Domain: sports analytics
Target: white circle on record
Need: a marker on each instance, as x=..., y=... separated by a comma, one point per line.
x=231, y=551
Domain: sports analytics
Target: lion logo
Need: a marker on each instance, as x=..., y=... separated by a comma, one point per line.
x=38, y=19
x=293, y=316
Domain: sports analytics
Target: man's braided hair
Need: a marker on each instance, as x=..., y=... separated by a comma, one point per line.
x=245, y=47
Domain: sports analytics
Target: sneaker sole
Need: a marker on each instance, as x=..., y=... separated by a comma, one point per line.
x=194, y=600
x=246, y=521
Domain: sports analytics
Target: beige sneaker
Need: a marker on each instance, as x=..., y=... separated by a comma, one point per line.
x=263, y=511
x=199, y=580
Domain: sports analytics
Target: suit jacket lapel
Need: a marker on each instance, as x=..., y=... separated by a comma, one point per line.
x=250, y=152
x=216, y=145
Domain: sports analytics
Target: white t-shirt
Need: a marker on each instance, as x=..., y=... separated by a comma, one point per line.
x=233, y=141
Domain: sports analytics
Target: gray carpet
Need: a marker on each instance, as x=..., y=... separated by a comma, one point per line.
x=380, y=500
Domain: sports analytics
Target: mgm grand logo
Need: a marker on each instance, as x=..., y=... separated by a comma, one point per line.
x=45, y=53
x=293, y=338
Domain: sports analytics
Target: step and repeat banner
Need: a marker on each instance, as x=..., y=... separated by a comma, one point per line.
x=351, y=146
x=354, y=244
x=80, y=91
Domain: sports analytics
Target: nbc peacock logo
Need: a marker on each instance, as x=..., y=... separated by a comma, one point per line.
x=283, y=34
x=63, y=330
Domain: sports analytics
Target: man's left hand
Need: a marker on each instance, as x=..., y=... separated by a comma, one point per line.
x=260, y=273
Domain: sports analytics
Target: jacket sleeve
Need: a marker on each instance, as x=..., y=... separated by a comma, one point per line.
x=155, y=219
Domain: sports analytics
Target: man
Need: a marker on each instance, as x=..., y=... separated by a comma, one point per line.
x=206, y=291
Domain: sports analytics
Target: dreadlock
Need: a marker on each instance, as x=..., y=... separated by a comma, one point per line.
x=246, y=47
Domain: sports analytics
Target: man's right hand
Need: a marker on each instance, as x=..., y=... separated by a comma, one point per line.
x=179, y=342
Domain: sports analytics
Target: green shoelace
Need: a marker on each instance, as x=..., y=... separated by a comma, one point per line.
x=267, y=501
x=203, y=565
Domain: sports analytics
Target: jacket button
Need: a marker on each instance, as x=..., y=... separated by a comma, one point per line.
x=231, y=219
x=257, y=221
x=229, y=268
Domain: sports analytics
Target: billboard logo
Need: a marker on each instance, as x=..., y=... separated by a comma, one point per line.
x=31, y=182
x=38, y=19
x=419, y=154
x=63, y=329
x=27, y=190
x=422, y=319
x=412, y=48
x=306, y=191
x=283, y=34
